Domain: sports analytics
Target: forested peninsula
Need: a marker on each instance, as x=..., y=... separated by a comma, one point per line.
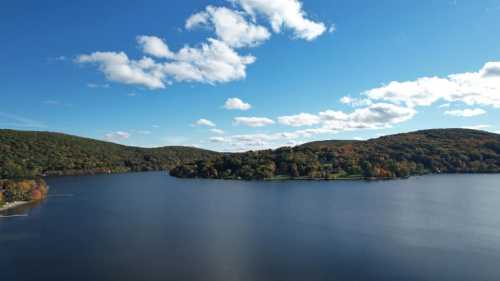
x=389, y=157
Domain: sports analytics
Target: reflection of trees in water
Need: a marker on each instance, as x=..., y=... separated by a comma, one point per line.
x=21, y=210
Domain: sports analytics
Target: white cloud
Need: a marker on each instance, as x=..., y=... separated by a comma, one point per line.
x=355, y=102
x=236, y=104
x=205, y=122
x=230, y=26
x=253, y=121
x=218, y=139
x=382, y=114
x=422, y=92
x=332, y=115
x=260, y=141
x=491, y=69
x=213, y=62
x=217, y=131
x=445, y=105
x=117, y=136
x=299, y=120
x=117, y=67
x=347, y=100
x=284, y=13
x=471, y=88
x=375, y=116
x=477, y=127
x=466, y=112
x=197, y=19
x=154, y=46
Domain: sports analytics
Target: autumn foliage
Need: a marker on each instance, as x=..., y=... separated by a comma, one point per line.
x=22, y=190
x=396, y=156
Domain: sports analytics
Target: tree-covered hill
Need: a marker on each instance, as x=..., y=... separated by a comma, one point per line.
x=402, y=155
x=30, y=154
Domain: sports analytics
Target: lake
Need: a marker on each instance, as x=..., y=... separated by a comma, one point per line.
x=150, y=226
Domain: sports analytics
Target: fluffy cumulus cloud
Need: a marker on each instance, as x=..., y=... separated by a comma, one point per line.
x=216, y=59
x=284, y=13
x=236, y=104
x=491, y=69
x=253, y=121
x=212, y=62
x=465, y=112
x=118, y=136
x=204, y=122
x=355, y=102
x=299, y=120
x=374, y=116
x=119, y=68
x=380, y=115
x=154, y=46
x=230, y=26
x=472, y=88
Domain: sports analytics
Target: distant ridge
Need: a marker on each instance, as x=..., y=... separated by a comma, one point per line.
x=395, y=156
x=27, y=154
x=452, y=132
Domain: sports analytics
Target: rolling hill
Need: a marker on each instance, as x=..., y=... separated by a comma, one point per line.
x=396, y=156
x=25, y=154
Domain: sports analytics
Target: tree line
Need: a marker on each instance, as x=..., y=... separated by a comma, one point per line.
x=397, y=156
x=25, y=155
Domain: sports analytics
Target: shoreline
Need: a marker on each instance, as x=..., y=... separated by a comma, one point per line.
x=12, y=205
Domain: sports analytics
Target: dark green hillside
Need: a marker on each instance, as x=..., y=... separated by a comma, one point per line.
x=422, y=152
x=30, y=154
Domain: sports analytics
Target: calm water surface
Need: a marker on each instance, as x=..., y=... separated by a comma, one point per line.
x=149, y=226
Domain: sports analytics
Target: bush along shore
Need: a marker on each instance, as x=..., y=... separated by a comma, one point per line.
x=17, y=192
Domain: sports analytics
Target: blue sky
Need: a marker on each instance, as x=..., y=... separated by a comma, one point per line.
x=247, y=74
